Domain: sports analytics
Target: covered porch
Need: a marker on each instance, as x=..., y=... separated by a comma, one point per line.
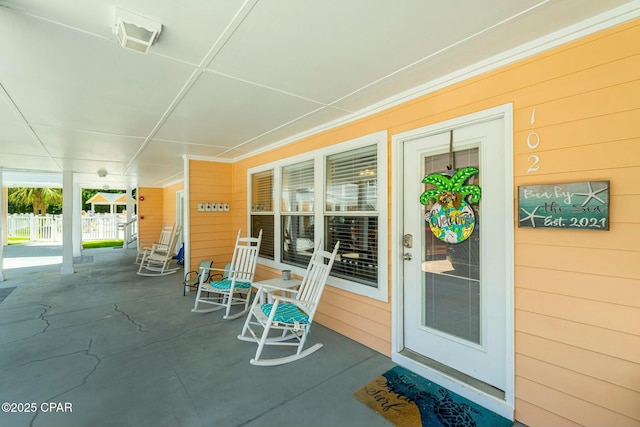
x=125, y=350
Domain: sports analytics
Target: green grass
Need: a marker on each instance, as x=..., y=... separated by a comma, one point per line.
x=85, y=245
x=101, y=244
x=17, y=240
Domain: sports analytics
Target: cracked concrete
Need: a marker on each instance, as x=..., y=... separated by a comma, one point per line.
x=125, y=350
x=129, y=318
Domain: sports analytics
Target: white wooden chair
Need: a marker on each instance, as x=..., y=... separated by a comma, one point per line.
x=292, y=316
x=155, y=262
x=162, y=243
x=235, y=289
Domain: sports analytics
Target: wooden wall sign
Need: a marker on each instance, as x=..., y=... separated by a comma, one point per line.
x=576, y=205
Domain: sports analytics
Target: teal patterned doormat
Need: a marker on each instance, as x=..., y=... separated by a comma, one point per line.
x=409, y=400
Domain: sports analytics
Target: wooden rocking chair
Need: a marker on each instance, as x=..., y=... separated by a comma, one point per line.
x=293, y=316
x=235, y=289
x=162, y=243
x=156, y=261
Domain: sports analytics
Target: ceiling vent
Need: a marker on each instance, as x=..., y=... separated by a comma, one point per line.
x=135, y=32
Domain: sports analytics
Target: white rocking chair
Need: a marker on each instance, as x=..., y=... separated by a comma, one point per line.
x=235, y=289
x=155, y=262
x=162, y=244
x=293, y=316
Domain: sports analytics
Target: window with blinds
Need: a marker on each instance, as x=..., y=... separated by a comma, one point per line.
x=351, y=199
x=262, y=214
x=298, y=187
x=297, y=199
x=352, y=180
x=333, y=194
x=262, y=191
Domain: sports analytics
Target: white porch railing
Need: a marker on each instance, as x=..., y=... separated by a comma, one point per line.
x=130, y=230
x=48, y=228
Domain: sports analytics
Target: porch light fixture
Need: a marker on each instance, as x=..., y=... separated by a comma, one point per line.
x=135, y=32
x=102, y=173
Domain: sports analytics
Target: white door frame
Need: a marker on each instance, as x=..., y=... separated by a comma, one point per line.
x=180, y=210
x=503, y=407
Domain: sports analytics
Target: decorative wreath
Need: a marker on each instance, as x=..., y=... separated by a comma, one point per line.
x=451, y=218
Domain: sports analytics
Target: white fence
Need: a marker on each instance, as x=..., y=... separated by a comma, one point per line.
x=48, y=228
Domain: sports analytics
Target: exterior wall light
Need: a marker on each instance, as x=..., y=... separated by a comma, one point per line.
x=135, y=32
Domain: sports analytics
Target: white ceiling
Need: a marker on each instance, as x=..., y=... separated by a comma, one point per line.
x=229, y=78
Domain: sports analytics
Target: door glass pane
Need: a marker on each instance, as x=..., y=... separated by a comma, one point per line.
x=451, y=271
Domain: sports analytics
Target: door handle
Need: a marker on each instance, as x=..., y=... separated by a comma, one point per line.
x=407, y=256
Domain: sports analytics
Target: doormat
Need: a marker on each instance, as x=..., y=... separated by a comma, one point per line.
x=408, y=400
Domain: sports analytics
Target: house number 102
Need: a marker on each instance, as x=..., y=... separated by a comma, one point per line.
x=533, y=142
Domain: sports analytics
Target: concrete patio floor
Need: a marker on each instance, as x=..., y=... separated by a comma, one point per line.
x=124, y=350
x=119, y=349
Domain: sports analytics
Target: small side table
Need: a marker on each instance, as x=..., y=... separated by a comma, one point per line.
x=280, y=283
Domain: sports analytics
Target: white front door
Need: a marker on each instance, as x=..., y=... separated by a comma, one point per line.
x=454, y=294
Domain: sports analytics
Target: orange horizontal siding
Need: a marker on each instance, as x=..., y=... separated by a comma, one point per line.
x=609, y=369
x=526, y=410
x=380, y=343
x=556, y=402
x=585, y=260
x=593, y=130
x=211, y=233
x=595, y=157
x=592, y=390
x=603, y=288
x=617, y=317
x=169, y=202
x=150, y=215
x=599, y=340
x=356, y=320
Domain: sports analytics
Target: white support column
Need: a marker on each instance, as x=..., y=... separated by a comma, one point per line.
x=129, y=208
x=186, y=231
x=3, y=225
x=67, y=223
x=77, y=220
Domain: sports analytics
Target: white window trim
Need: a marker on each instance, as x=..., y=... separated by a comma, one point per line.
x=318, y=156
